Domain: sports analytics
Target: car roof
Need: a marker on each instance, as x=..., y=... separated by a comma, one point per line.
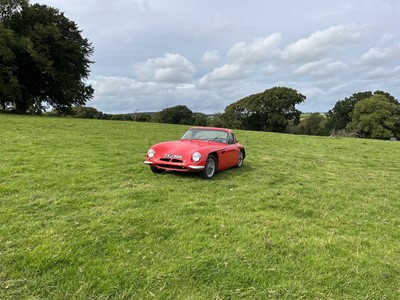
x=211, y=128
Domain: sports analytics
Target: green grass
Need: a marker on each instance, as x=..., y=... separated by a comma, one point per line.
x=81, y=216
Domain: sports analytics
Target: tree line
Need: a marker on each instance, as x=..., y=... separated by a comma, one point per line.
x=368, y=114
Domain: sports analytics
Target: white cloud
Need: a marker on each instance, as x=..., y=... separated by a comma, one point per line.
x=122, y=94
x=270, y=69
x=323, y=42
x=308, y=68
x=185, y=86
x=116, y=86
x=386, y=39
x=226, y=72
x=376, y=56
x=334, y=68
x=380, y=73
x=258, y=51
x=172, y=68
x=321, y=68
x=210, y=59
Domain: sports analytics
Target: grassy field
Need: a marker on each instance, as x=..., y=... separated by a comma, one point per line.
x=81, y=216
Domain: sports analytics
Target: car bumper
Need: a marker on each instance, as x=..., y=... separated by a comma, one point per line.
x=182, y=167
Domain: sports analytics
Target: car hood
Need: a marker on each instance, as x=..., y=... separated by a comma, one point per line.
x=183, y=147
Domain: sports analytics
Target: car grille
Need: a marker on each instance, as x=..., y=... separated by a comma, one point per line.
x=171, y=160
x=171, y=167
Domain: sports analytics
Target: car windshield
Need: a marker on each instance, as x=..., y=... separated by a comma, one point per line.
x=206, y=135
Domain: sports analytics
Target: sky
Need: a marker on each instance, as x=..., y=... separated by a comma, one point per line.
x=207, y=54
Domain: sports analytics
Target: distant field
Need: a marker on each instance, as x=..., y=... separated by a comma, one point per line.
x=81, y=216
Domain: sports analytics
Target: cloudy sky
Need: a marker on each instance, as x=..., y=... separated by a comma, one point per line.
x=207, y=54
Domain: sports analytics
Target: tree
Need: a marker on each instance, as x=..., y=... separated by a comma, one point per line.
x=200, y=119
x=179, y=114
x=8, y=7
x=218, y=120
x=9, y=43
x=376, y=117
x=314, y=124
x=9, y=86
x=85, y=112
x=340, y=116
x=271, y=110
x=50, y=60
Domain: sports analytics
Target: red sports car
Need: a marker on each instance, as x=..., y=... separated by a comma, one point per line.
x=201, y=149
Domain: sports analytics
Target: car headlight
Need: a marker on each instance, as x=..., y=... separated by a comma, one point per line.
x=196, y=156
x=151, y=153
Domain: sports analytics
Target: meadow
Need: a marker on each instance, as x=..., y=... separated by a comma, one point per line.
x=81, y=216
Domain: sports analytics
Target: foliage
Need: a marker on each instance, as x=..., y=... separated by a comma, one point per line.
x=86, y=112
x=179, y=114
x=9, y=46
x=218, y=120
x=136, y=117
x=340, y=116
x=44, y=57
x=9, y=7
x=311, y=124
x=314, y=124
x=271, y=110
x=200, y=119
x=9, y=86
x=83, y=218
x=376, y=117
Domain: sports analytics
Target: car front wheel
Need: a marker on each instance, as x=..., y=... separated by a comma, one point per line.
x=211, y=167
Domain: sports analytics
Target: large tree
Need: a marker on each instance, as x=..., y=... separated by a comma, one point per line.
x=9, y=87
x=9, y=44
x=47, y=59
x=271, y=110
x=376, y=117
x=340, y=116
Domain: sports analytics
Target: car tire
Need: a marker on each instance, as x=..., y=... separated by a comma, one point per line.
x=241, y=158
x=156, y=170
x=210, y=168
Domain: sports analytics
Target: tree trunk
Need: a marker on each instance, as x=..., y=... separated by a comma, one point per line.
x=20, y=107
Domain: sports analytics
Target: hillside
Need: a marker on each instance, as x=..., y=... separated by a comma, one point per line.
x=83, y=218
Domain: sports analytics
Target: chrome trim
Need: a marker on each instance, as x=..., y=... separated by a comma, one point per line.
x=197, y=167
x=148, y=162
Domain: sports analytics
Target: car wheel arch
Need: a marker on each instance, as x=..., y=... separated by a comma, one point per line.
x=244, y=152
x=205, y=173
x=216, y=156
x=241, y=156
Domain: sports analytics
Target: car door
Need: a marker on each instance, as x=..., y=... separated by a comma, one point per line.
x=232, y=151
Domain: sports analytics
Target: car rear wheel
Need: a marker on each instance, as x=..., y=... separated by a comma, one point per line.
x=156, y=170
x=241, y=159
x=211, y=167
